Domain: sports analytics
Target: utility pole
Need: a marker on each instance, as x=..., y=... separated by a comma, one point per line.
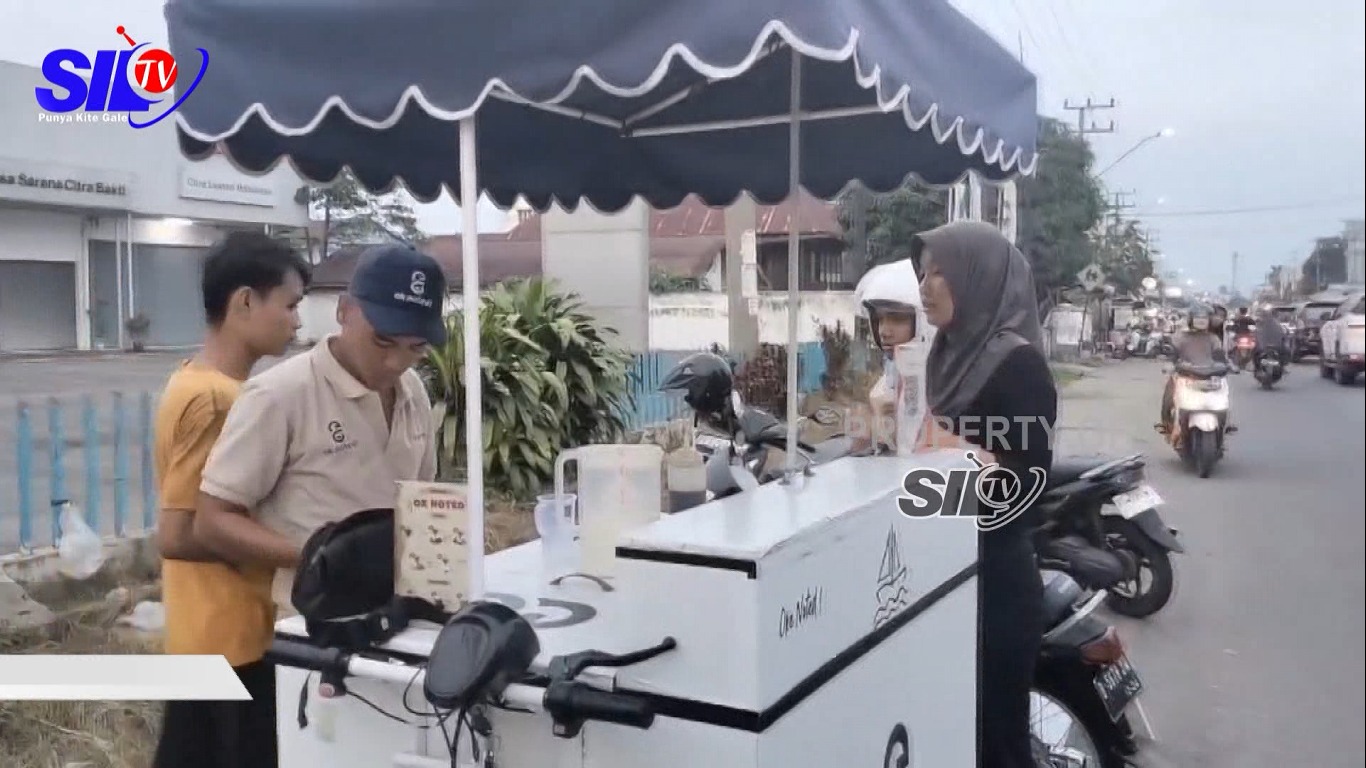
x=1233, y=286
x=1082, y=110
x=1119, y=202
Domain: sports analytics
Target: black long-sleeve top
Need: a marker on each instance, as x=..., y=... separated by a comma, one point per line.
x=1013, y=418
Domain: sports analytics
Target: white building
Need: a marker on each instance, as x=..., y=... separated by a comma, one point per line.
x=100, y=221
x=1355, y=235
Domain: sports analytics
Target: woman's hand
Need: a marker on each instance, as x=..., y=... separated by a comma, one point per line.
x=936, y=436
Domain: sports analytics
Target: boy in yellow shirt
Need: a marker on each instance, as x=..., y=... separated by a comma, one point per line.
x=251, y=286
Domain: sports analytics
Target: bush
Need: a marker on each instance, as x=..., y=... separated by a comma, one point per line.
x=552, y=379
x=762, y=379
x=837, y=346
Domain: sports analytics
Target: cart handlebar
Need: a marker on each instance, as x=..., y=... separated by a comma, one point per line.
x=569, y=703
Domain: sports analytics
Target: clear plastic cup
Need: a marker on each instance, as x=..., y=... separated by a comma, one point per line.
x=556, y=526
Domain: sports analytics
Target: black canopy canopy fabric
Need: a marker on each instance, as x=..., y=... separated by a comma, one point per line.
x=604, y=100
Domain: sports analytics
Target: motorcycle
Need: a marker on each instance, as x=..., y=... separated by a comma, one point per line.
x=1269, y=368
x=1199, y=418
x=737, y=446
x=1099, y=522
x=1085, y=679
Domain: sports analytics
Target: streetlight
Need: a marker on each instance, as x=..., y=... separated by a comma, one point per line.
x=1165, y=133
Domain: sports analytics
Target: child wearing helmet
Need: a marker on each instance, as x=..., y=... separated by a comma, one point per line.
x=888, y=296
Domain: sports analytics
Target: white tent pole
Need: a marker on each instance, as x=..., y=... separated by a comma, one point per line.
x=794, y=177
x=474, y=411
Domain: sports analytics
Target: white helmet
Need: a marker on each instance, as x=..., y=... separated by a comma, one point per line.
x=893, y=287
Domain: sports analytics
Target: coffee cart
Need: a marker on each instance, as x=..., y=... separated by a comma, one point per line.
x=815, y=626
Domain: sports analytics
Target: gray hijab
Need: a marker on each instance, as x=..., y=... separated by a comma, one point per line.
x=994, y=310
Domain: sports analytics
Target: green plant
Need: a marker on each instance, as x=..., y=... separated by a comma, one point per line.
x=137, y=327
x=762, y=379
x=837, y=345
x=552, y=378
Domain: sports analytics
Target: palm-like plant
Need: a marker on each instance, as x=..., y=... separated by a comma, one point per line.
x=552, y=378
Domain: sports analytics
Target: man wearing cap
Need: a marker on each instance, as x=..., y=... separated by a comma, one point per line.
x=327, y=433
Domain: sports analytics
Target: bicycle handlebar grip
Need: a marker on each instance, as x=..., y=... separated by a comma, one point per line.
x=296, y=654
x=563, y=698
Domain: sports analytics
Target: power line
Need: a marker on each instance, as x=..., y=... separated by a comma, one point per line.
x=1252, y=209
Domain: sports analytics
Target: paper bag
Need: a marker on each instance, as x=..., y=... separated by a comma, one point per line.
x=431, y=543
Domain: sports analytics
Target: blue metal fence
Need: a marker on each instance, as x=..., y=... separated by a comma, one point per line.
x=108, y=434
x=110, y=450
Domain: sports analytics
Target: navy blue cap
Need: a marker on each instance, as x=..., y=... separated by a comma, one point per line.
x=401, y=292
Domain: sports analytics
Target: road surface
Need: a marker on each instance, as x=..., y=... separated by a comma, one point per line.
x=1257, y=661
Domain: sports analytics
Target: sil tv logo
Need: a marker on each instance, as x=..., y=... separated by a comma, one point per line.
x=122, y=85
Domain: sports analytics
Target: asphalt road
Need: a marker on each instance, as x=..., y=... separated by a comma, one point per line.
x=1257, y=660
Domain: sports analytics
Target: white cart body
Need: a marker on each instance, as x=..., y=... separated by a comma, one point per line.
x=816, y=625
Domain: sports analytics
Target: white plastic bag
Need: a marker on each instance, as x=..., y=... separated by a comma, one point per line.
x=80, y=553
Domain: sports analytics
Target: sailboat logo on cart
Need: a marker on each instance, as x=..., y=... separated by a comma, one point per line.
x=893, y=582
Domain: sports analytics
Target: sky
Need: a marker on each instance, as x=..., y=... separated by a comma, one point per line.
x=1265, y=100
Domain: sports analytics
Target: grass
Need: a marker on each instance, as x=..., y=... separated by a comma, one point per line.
x=98, y=734
x=123, y=734
x=1064, y=376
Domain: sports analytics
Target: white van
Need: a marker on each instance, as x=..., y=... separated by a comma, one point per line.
x=1344, y=341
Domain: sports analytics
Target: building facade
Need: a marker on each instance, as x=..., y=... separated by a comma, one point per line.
x=1355, y=235
x=101, y=222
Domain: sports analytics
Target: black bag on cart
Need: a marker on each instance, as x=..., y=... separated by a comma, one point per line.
x=344, y=585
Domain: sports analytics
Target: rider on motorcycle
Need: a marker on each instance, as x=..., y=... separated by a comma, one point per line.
x=1198, y=346
x=1270, y=338
x=1242, y=322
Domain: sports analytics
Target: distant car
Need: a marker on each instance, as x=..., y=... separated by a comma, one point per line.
x=1308, y=321
x=1343, y=337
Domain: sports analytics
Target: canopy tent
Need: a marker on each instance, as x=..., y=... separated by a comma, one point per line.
x=603, y=102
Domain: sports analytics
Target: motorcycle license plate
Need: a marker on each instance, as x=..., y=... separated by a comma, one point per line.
x=1140, y=499
x=1118, y=685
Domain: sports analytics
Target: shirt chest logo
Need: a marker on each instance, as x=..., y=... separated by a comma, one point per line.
x=340, y=441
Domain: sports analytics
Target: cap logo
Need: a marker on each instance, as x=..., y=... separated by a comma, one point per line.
x=418, y=286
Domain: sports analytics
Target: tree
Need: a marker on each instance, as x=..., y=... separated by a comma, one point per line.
x=889, y=220
x=1124, y=255
x=353, y=216
x=1059, y=206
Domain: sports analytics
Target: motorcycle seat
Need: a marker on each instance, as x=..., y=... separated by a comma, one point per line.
x=1202, y=371
x=832, y=448
x=1069, y=468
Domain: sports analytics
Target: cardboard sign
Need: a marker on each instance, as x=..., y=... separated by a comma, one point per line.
x=431, y=543
x=910, y=410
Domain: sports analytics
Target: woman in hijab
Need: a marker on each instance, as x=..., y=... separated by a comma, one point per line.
x=986, y=367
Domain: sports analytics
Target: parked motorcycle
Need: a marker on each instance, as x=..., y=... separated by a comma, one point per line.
x=1085, y=686
x=1099, y=522
x=738, y=445
x=1199, y=420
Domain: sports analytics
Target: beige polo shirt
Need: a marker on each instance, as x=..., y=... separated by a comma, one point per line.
x=307, y=444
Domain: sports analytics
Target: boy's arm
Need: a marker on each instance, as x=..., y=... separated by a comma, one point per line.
x=242, y=469
x=195, y=432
